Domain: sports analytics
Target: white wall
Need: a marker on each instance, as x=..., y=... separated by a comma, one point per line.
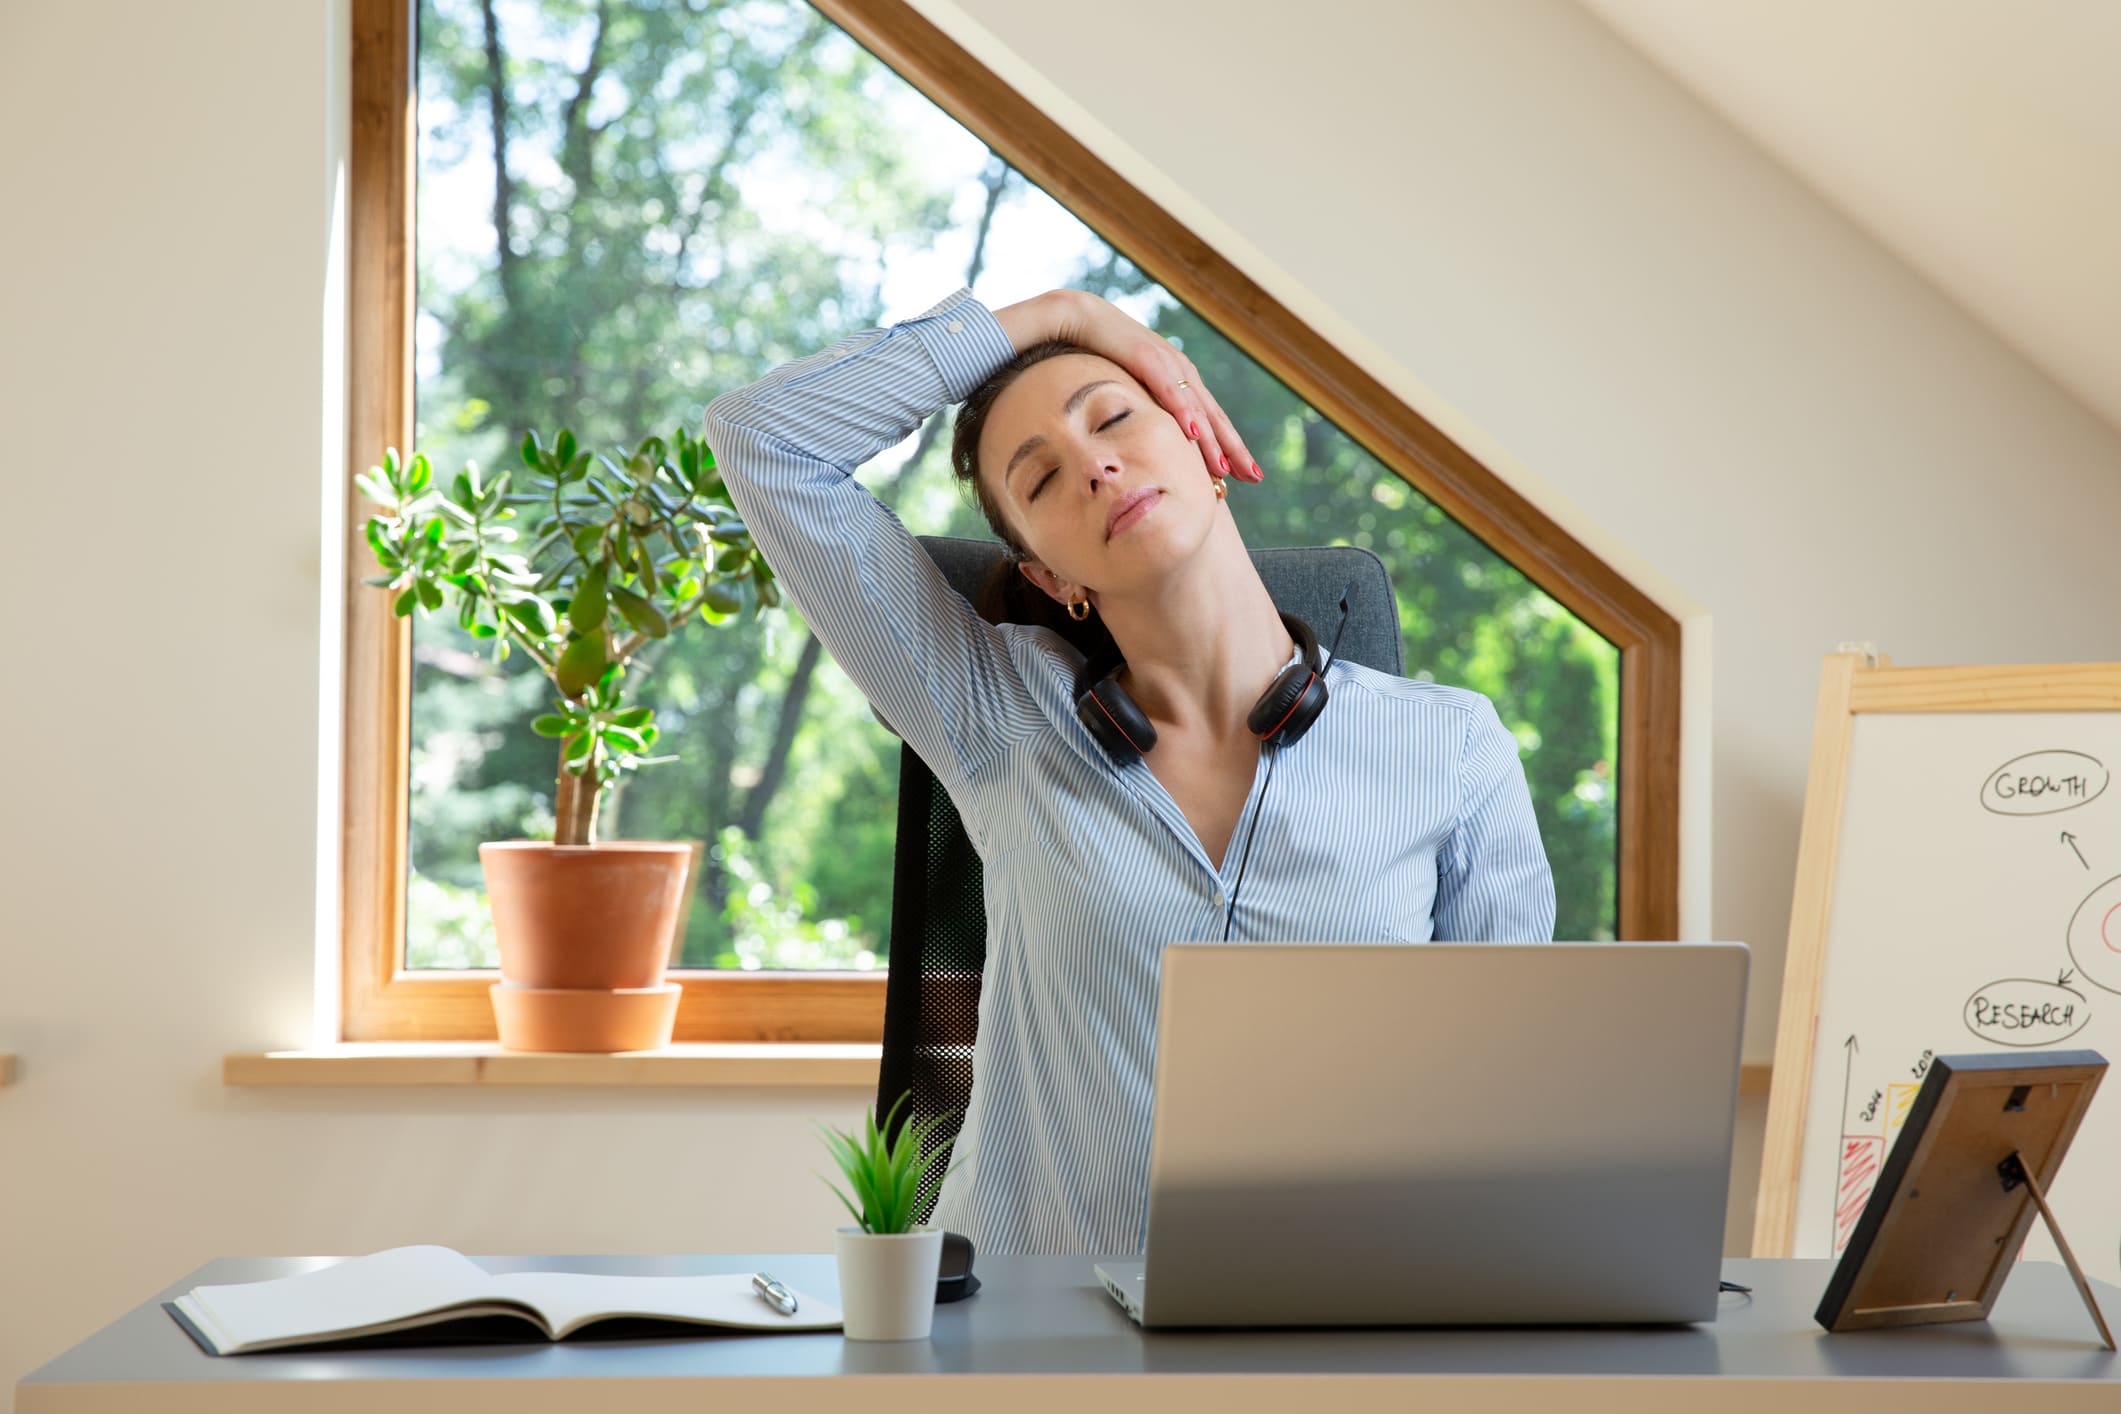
x=1518, y=223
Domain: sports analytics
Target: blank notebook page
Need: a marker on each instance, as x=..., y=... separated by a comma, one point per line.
x=568, y=1298
x=361, y=1291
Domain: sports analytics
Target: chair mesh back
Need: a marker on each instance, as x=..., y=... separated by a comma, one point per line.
x=938, y=909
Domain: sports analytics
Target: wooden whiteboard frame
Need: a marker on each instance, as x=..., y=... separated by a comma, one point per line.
x=1849, y=685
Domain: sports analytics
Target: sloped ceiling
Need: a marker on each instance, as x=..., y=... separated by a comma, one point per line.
x=1978, y=140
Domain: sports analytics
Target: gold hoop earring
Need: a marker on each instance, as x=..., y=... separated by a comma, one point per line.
x=1220, y=489
x=1079, y=610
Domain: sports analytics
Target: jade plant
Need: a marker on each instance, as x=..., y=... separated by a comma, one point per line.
x=884, y=1172
x=626, y=548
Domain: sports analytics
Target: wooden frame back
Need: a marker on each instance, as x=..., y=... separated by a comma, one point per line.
x=1943, y=1228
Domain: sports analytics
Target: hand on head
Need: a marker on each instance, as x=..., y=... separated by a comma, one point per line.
x=1168, y=375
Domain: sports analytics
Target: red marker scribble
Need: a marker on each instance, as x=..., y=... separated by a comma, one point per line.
x=1861, y=1157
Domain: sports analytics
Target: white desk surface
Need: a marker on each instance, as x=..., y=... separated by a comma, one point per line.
x=1042, y=1335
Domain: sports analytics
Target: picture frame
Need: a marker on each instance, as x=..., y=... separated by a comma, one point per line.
x=1967, y=1175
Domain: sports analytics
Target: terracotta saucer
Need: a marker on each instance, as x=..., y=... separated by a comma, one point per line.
x=564, y=1019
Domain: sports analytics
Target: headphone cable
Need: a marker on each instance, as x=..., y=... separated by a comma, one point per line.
x=1272, y=761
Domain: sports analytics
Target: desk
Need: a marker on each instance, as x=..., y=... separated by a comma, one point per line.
x=1042, y=1336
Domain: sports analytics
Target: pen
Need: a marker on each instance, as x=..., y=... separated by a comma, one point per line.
x=779, y=1297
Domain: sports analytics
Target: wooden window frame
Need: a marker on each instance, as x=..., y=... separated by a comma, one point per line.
x=380, y=1001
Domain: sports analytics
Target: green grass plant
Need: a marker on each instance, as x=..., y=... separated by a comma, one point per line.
x=885, y=1175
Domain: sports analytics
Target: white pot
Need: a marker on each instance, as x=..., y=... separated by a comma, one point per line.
x=887, y=1282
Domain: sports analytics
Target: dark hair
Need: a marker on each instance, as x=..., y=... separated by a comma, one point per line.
x=1007, y=597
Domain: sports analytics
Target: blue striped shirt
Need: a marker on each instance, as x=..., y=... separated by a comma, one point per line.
x=1401, y=815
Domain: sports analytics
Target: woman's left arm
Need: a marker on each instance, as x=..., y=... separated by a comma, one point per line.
x=1493, y=884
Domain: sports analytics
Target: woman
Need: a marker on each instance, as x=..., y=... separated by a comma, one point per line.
x=1401, y=812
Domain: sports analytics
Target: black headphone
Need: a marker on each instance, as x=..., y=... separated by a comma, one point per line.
x=1283, y=713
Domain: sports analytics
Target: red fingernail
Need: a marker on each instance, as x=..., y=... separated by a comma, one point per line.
x=1257, y=474
x=1226, y=465
x=1193, y=430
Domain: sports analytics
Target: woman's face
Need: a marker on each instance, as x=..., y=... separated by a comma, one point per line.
x=1103, y=486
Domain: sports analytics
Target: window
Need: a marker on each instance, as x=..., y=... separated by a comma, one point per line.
x=690, y=198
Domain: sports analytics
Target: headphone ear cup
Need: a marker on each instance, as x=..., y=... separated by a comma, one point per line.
x=1310, y=702
x=1287, y=708
x=1282, y=703
x=1110, y=716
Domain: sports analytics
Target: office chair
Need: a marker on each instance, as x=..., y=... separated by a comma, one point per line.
x=938, y=911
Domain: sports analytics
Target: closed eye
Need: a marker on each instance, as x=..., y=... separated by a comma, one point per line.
x=1104, y=426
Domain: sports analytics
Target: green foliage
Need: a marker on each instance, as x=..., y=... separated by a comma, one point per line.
x=725, y=199
x=885, y=1176
x=771, y=932
x=643, y=528
x=455, y=926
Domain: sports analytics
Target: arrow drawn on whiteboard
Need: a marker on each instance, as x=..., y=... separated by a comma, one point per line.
x=2063, y=983
x=1848, y=1071
x=2071, y=840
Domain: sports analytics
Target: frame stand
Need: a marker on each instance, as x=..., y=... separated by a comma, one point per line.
x=2014, y=1172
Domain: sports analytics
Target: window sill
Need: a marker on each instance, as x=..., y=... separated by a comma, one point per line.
x=484, y=1063
x=849, y=1065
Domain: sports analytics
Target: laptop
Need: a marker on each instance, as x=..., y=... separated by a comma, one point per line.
x=1439, y=1134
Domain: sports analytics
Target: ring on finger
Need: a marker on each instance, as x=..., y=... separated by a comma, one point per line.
x=1183, y=384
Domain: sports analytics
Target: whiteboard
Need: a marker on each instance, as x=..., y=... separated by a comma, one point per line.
x=1975, y=907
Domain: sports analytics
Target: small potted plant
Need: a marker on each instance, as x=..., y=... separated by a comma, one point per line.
x=887, y=1266
x=626, y=550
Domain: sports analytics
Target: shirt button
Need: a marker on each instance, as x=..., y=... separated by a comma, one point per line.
x=955, y=326
x=1218, y=900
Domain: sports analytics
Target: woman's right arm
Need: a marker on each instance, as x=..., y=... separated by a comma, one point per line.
x=787, y=447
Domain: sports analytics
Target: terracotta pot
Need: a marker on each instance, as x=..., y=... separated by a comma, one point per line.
x=598, y=916
x=599, y=920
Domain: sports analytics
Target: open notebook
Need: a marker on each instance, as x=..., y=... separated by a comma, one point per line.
x=440, y=1292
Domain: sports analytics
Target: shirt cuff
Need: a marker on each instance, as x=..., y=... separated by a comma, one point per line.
x=965, y=340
